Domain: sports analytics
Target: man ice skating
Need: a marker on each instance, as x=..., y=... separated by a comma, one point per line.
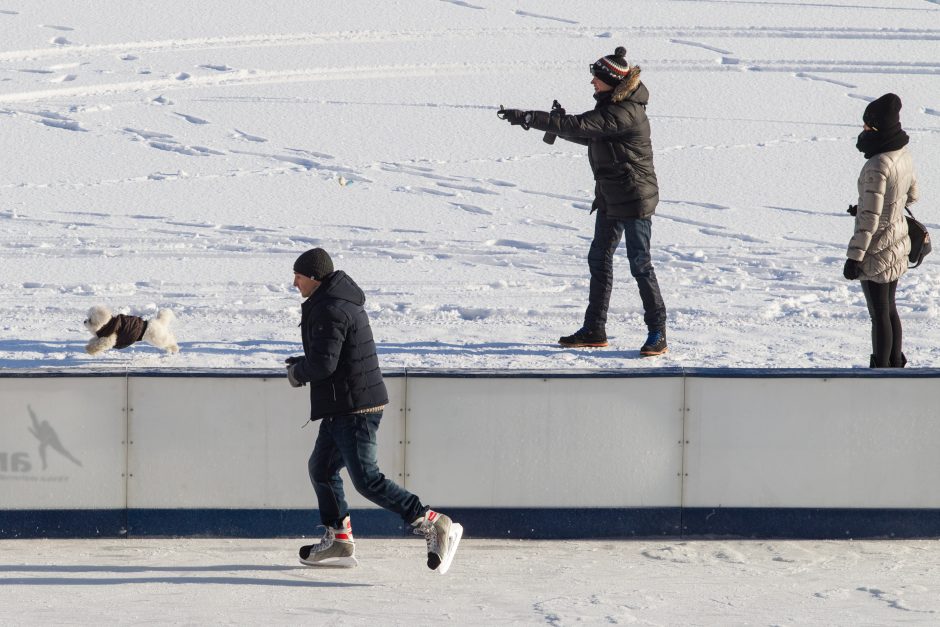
x=347, y=395
x=617, y=134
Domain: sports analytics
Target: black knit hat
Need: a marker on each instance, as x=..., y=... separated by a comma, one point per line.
x=884, y=114
x=315, y=263
x=613, y=68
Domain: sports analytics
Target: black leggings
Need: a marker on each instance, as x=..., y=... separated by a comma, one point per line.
x=885, y=324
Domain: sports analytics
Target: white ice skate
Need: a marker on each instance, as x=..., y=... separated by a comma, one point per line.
x=337, y=549
x=442, y=536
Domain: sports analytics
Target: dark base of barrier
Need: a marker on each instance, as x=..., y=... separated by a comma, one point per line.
x=810, y=523
x=519, y=523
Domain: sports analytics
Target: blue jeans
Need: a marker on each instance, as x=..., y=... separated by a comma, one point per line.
x=349, y=441
x=607, y=234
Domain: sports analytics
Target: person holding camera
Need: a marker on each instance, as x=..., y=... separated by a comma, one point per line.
x=626, y=192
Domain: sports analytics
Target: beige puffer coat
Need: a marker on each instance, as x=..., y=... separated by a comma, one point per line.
x=886, y=185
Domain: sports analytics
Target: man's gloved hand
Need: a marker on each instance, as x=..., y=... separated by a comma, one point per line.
x=851, y=270
x=852, y=210
x=293, y=360
x=291, y=378
x=515, y=117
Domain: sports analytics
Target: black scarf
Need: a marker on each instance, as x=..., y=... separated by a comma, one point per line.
x=603, y=98
x=871, y=143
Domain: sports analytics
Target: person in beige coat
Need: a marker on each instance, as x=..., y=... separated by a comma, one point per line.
x=878, y=250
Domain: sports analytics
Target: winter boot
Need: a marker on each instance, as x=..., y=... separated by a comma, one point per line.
x=900, y=363
x=655, y=344
x=872, y=363
x=442, y=537
x=583, y=338
x=337, y=548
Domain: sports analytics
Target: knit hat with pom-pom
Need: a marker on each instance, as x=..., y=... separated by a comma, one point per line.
x=613, y=68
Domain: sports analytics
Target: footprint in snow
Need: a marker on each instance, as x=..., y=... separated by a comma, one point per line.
x=217, y=68
x=189, y=151
x=145, y=134
x=237, y=134
x=192, y=119
x=545, y=17
x=56, y=120
x=469, y=188
x=472, y=209
x=461, y=3
x=318, y=155
x=60, y=41
x=128, y=57
x=183, y=76
x=54, y=27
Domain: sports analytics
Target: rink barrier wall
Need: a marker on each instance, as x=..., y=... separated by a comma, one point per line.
x=526, y=454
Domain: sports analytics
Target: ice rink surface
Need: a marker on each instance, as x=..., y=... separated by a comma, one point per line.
x=492, y=582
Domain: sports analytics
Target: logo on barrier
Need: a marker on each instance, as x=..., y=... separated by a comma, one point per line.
x=20, y=464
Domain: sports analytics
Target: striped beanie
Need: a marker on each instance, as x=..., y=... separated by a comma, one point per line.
x=613, y=68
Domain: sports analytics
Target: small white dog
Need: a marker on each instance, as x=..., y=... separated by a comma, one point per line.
x=121, y=331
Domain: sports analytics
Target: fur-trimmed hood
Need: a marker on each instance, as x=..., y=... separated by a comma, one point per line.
x=630, y=88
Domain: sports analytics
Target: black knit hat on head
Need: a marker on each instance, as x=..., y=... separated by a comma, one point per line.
x=315, y=263
x=613, y=68
x=884, y=114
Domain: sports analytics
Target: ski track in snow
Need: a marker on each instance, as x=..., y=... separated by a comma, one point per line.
x=713, y=257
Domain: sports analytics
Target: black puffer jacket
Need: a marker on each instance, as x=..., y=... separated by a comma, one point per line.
x=617, y=134
x=340, y=362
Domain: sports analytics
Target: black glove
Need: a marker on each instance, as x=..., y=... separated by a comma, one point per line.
x=292, y=379
x=516, y=117
x=850, y=270
x=852, y=210
x=290, y=361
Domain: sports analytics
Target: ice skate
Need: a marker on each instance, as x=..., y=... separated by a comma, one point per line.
x=337, y=549
x=442, y=536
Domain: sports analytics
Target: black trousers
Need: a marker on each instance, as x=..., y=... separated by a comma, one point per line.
x=885, y=324
x=636, y=233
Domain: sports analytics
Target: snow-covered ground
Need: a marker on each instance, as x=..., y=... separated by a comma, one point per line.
x=182, y=155
x=492, y=582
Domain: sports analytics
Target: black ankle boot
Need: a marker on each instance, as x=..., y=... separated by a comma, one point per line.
x=900, y=363
x=871, y=363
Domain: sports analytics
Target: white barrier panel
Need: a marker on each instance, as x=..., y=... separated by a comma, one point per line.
x=199, y=442
x=62, y=443
x=554, y=442
x=741, y=452
x=812, y=442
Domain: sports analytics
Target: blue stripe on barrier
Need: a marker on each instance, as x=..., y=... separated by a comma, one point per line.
x=59, y=523
x=517, y=523
x=810, y=523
